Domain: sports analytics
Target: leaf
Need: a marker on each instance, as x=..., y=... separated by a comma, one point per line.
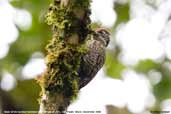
x=145, y=65
x=113, y=66
x=122, y=11
x=163, y=89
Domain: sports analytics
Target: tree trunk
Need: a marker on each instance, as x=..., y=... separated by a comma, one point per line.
x=71, y=27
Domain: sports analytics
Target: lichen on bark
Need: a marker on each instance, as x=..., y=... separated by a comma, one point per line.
x=71, y=28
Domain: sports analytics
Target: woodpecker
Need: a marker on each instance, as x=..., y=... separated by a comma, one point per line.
x=94, y=59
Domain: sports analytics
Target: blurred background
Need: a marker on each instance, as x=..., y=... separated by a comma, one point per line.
x=136, y=78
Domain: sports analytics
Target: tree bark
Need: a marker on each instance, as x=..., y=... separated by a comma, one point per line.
x=71, y=28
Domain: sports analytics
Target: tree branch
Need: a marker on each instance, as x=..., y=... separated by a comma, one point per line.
x=71, y=27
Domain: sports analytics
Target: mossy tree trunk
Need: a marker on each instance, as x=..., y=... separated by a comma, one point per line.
x=71, y=28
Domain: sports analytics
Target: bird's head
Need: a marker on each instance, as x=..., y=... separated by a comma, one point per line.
x=103, y=36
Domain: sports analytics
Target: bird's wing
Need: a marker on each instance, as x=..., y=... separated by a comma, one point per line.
x=95, y=54
x=92, y=61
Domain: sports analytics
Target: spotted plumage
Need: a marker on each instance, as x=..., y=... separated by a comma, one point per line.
x=94, y=59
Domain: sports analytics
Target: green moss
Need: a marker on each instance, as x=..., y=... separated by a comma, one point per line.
x=68, y=19
x=63, y=54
